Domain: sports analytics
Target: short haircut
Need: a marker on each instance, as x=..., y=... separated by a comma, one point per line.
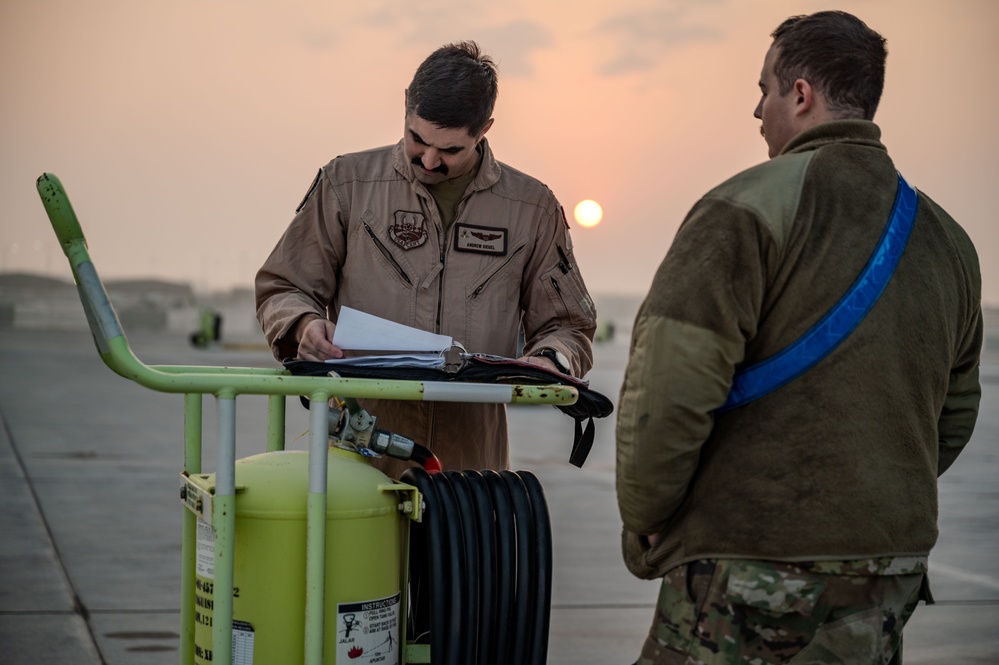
x=455, y=88
x=838, y=54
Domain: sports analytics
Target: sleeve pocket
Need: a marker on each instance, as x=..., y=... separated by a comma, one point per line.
x=568, y=295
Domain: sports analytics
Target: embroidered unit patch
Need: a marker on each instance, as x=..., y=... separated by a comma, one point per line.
x=409, y=229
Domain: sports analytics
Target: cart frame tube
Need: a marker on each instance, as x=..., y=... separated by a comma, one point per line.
x=192, y=465
x=225, y=383
x=224, y=522
x=315, y=552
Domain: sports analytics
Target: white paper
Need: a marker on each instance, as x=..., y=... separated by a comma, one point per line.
x=433, y=360
x=358, y=331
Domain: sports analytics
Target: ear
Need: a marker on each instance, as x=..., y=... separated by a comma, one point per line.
x=804, y=97
x=485, y=129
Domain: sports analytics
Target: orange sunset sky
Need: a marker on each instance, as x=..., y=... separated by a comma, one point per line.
x=186, y=132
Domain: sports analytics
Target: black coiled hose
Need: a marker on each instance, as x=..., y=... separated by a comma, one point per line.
x=481, y=568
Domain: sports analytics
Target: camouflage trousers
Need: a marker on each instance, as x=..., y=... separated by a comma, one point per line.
x=764, y=612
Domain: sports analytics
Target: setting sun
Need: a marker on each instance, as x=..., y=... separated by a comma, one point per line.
x=588, y=213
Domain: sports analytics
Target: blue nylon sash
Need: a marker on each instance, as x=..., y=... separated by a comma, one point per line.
x=804, y=353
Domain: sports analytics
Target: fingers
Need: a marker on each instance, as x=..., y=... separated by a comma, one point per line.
x=316, y=344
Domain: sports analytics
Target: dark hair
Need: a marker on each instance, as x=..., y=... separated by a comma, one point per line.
x=454, y=88
x=838, y=54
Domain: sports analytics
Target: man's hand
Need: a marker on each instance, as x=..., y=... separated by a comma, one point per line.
x=539, y=360
x=315, y=340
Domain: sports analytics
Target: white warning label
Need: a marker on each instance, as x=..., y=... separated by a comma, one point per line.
x=242, y=643
x=205, y=566
x=368, y=631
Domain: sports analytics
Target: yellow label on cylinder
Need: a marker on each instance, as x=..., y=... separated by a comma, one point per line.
x=204, y=589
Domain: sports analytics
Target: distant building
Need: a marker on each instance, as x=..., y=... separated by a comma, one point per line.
x=990, y=352
x=149, y=304
x=34, y=301
x=41, y=302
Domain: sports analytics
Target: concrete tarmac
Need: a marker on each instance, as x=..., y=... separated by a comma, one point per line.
x=91, y=531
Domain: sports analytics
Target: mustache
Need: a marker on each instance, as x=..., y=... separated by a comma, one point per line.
x=442, y=169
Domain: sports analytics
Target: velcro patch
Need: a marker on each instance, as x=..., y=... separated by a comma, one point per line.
x=480, y=239
x=409, y=229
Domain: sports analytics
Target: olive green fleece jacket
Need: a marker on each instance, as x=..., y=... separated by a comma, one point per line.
x=842, y=462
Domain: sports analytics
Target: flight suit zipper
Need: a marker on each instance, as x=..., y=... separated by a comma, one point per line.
x=482, y=285
x=441, y=243
x=387, y=254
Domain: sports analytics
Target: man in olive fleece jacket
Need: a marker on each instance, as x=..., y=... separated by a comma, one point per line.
x=798, y=525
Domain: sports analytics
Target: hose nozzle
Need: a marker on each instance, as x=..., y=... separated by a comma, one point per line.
x=394, y=445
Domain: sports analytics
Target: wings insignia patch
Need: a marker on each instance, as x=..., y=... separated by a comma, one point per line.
x=480, y=239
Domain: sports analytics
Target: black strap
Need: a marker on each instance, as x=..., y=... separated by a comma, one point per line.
x=590, y=404
x=582, y=442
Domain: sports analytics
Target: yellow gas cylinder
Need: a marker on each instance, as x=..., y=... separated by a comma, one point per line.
x=363, y=563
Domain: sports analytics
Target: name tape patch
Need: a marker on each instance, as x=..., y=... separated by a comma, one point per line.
x=480, y=239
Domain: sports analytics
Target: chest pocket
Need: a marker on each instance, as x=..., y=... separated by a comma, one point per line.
x=379, y=249
x=497, y=273
x=492, y=302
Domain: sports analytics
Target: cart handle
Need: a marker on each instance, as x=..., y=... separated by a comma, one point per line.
x=114, y=349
